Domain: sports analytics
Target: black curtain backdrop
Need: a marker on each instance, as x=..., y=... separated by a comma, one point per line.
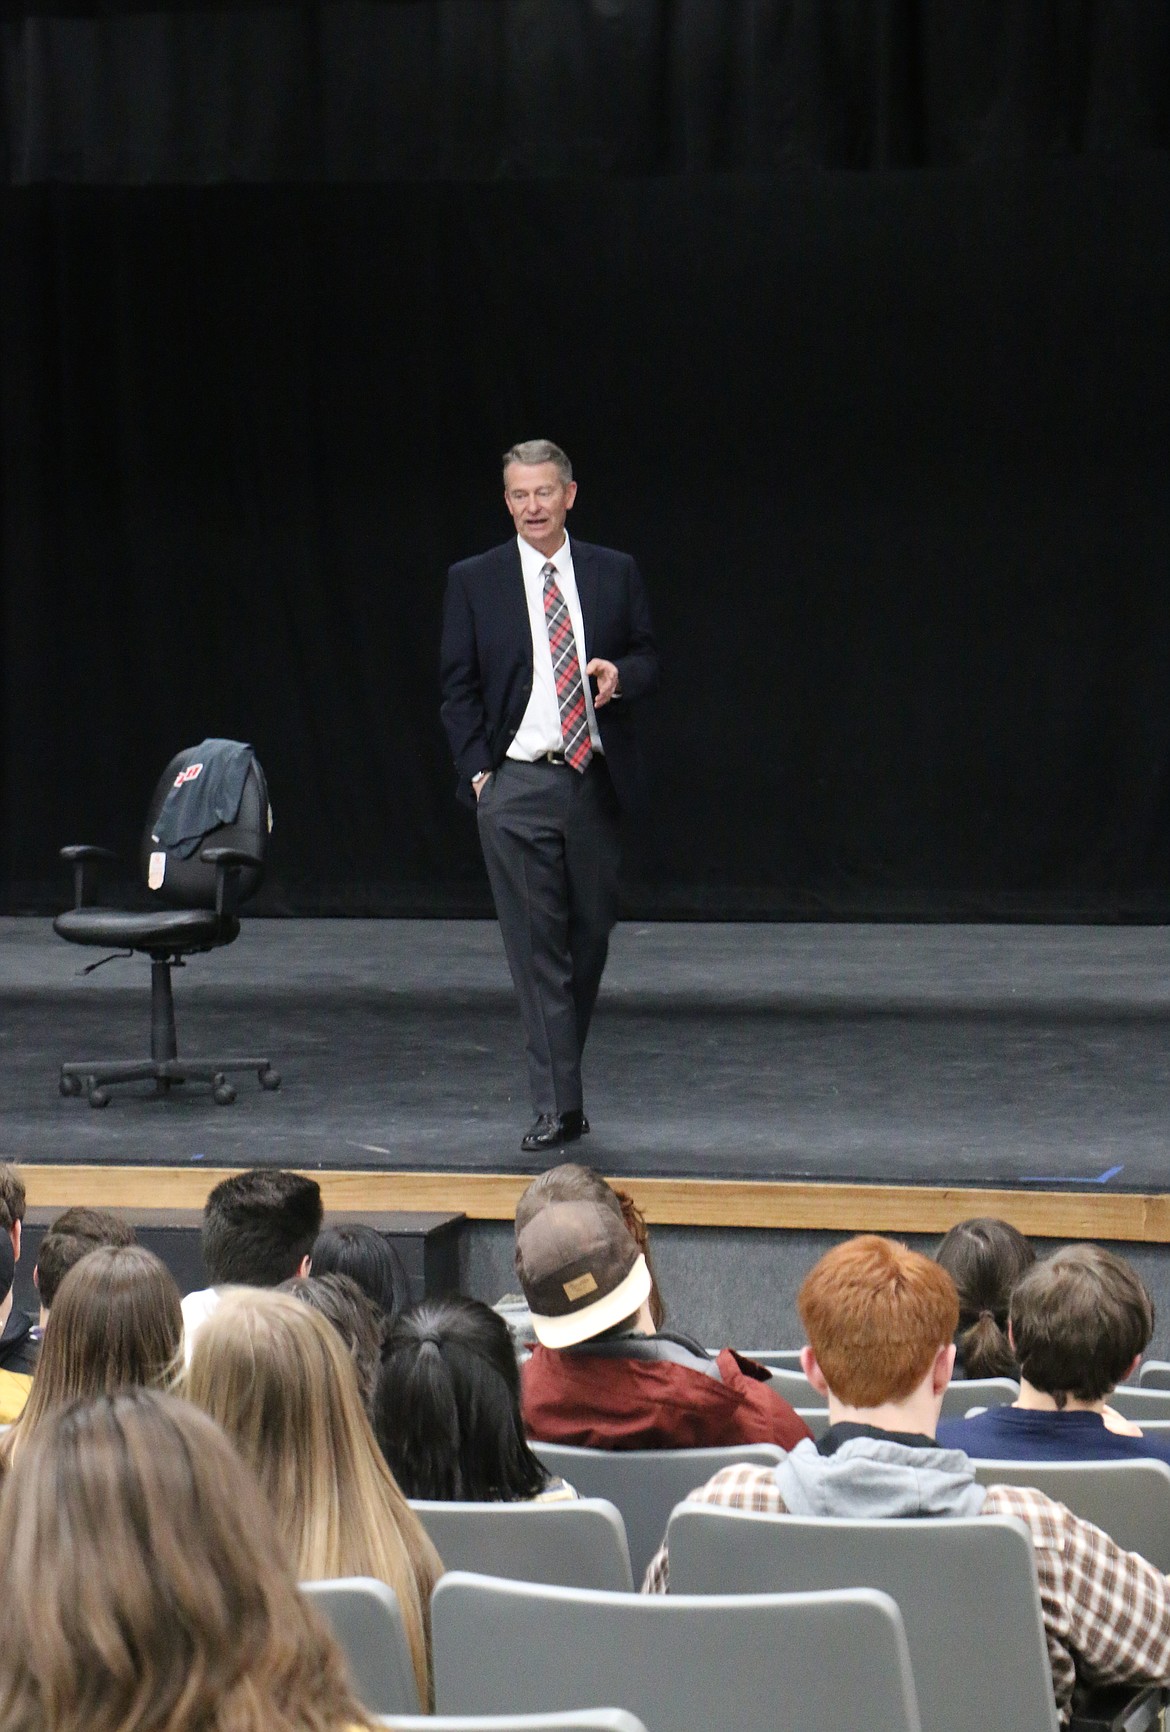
x=853, y=318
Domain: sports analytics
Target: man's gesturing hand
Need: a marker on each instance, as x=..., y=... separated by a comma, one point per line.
x=607, y=681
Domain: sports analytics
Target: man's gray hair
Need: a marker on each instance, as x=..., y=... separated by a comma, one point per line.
x=540, y=451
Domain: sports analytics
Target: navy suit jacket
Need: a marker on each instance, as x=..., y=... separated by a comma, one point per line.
x=486, y=658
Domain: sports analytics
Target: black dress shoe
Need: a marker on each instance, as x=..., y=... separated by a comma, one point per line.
x=553, y=1129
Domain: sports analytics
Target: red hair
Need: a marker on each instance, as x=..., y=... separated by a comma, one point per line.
x=875, y=1315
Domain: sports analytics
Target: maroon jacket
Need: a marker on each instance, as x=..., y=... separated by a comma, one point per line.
x=620, y=1403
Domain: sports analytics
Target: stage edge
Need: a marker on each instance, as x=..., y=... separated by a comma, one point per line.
x=1140, y=1218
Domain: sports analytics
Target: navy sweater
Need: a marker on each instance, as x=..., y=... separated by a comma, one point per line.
x=1019, y=1434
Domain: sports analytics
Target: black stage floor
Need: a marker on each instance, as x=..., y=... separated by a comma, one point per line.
x=937, y=1055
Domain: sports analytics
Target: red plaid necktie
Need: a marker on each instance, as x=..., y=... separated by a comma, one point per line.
x=566, y=673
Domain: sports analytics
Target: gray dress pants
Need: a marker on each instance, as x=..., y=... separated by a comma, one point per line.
x=551, y=843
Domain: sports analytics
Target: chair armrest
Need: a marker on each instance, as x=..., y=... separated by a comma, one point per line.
x=78, y=855
x=229, y=857
x=87, y=851
x=228, y=863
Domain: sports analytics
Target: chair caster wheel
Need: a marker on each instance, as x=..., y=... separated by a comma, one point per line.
x=223, y=1093
x=269, y=1078
x=98, y=1096
x=70, y=1086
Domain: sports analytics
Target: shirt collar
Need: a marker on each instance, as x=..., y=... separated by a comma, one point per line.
x=533, y=562
x=845, y=1429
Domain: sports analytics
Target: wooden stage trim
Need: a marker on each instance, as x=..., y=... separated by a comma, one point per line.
x=666, y=1202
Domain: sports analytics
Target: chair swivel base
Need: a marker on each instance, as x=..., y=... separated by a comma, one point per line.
x=94, y=1075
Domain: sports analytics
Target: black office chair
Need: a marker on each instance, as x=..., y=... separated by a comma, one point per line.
x=205, y=878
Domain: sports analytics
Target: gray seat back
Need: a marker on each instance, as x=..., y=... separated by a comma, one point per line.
x=968, y=1392
x=816, y=1418
x=365, y=1617
x=591, y=1720
x=1129, y=1499
x=966, y=1588
x=1140, y=1403
x=772, y=1663
x=1154, y=1374
x=578, y=1545
x=645, y=1484
x=794, y=1386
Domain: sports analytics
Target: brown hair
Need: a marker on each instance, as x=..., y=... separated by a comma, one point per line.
x=1079, y=1320
x=71, y=1237
x=146, y=1587
x=12, y=1196
x=875, y=1315
x=985, y=1258
x=355, y=1316
x=278, y=1378
x=117, y=1323
x=570, y=1183
x=640, y=1233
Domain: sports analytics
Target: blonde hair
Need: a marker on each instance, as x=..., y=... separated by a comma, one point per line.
x=116, y=1323
x=146, y=1589
x=277, y=1378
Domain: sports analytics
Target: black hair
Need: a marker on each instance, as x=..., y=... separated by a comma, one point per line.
x=984, y=1257
x=364, y=1254
x=258, y=1226
x=447, y=1406
x=354, y=1316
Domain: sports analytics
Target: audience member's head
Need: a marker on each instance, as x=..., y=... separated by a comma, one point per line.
x=259, y=1227
x=7, y=1271
x=447, y=1406
x=355, y=1249
x=146, y=1588
x=12, y=1200
x=879, y=1319
x=277, y=1377
x=985, y=1258
x=116, y=1323
x=353, y=1314
x=1080, y=1321
x=71, y=1237
x=570, y=1182
x=579, y=1266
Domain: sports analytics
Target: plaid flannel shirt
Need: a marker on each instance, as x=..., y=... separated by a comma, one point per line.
x=1106, y=1612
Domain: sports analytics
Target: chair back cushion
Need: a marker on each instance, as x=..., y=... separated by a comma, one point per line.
x=365, y=1617
x=578, y=1544
x=964, y=1393
x=773, y=1663
x=178, y=876
x=645, y=1484
x=966, y=1588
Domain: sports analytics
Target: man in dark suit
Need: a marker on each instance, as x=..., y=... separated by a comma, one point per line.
x=546, y=648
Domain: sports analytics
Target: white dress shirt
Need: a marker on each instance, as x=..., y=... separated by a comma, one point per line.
x=540, y=728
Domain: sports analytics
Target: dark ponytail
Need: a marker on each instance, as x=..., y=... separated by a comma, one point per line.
x=984, y=1258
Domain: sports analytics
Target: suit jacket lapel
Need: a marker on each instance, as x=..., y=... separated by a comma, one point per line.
x=585, y=574
x=513, y=603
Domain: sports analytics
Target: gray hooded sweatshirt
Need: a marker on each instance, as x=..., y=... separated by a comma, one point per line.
x=868, y=1477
